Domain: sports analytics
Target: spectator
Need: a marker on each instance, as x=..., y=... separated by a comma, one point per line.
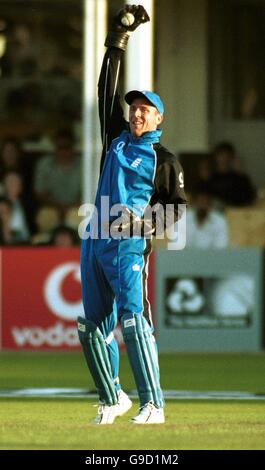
x=12, y=159
x=228, y=184
x=57, y=177
x=206, y=227
x=11, y=156
x=8, y=235
x=13, y=191
x=204, y=171
x=64, y=237
x=29, y=52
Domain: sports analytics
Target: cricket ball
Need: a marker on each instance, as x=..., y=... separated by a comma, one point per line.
x=127, y=19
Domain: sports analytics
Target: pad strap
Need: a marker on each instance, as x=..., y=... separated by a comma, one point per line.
x=109, y=338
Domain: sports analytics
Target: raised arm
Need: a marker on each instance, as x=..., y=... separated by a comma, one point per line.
x=111, y=116
x=112, y=120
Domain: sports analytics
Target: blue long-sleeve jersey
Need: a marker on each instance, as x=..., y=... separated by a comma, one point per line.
x=135, y=171
x=129, y=171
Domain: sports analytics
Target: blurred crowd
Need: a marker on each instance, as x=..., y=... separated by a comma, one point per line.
x=40, y=196
x=221, y=184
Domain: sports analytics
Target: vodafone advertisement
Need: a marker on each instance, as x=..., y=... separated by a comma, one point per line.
x=41, y=299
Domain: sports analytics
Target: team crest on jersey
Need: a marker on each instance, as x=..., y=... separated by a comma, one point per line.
x=120, y=146
x=136, y=162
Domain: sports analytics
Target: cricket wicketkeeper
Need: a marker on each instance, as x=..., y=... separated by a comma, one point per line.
x=136, y=172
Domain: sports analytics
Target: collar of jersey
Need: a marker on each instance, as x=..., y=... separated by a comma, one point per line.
x=148, y=137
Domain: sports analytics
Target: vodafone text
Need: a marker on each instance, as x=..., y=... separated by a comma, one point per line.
x=57, y=335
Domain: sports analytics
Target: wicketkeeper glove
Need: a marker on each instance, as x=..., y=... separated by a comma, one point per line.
x=130, y=224
x=119, y=33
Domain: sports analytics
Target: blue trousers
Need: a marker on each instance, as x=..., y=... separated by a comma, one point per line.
x=113, y=279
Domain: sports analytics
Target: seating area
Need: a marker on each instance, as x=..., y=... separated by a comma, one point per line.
x=246, y=226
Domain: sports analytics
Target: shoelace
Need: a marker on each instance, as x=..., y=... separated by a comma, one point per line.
x=146, y=407
x=99, y=406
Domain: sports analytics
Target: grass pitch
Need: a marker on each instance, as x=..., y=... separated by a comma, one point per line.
x=64, y=423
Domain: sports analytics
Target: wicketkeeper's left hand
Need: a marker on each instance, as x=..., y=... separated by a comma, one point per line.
x=118, y=34
x=140, y=16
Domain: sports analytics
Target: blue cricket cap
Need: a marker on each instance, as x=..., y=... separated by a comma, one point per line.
x=153, y=98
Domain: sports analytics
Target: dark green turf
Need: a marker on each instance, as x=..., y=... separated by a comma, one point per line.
x=238, y=372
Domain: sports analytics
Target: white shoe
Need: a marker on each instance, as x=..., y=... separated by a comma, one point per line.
x=124, y=403
x=106, y=414
x=149, y=414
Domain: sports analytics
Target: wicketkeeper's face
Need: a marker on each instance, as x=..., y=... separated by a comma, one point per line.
x=143, y=117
